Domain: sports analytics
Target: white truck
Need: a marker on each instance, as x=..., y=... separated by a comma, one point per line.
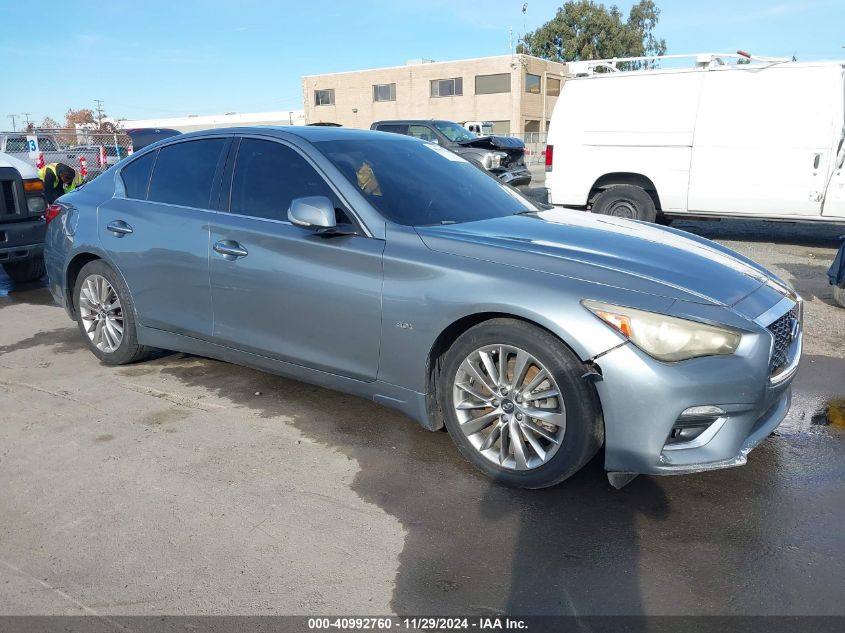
x=22, y=225
x=759, y=140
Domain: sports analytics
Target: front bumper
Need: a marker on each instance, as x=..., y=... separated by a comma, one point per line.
x=643, y=399
x=20, y=241
x=517, y=177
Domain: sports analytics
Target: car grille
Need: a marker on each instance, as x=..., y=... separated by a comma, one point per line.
x=781, y=330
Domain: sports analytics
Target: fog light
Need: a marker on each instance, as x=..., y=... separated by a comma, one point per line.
x=705, y=411
x=690, y=427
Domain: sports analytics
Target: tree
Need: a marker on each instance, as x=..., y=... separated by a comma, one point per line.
x=583, y=30
x=83, y=118
x=48, y=123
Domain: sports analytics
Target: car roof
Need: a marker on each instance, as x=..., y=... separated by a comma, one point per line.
x=313, y=134
x=410, y=121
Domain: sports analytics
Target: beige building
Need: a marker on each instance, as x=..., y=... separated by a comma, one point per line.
x=515, y=92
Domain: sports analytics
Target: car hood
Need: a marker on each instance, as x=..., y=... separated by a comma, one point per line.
x=601, y=249
x=26, y=170
x=494, y=142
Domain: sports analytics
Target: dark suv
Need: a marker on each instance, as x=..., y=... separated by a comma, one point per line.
x=502, y=156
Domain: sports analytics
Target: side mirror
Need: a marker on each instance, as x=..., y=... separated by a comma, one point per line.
x=313, y=212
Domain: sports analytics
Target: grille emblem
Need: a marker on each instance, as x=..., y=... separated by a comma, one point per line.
x=794, y=328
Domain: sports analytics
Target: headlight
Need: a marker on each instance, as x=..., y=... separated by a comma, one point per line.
x=36, y=205
x=493, y=160
x=664, y=337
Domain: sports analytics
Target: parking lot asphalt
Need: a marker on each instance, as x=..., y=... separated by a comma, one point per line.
x=184, y=485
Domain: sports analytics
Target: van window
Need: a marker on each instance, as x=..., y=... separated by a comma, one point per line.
x=47, y=144
x=184, y=173
x=268, y=176
x=136, y=176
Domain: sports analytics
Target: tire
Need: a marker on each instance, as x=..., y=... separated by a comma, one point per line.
x=477, y=422
x=626, y=201
x=102, y=340
x=27, y=270
x=839, y=295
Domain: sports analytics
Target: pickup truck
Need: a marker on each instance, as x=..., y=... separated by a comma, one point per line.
x=47, y=148
x=502, y=156
x=22, y=225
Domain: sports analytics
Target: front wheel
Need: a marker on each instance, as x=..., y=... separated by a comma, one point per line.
x=27, y=270
x=106, y=315
x=516, y=406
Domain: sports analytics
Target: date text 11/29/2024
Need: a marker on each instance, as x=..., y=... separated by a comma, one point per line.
x=418, y=623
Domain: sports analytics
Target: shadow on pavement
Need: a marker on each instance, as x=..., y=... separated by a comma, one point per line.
x=822, y=234
x=32, y=293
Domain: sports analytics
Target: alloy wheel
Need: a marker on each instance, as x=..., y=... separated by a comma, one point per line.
x=509, y=407
x=101, y=313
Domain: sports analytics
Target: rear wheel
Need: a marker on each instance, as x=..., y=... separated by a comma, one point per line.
x=516, y=406
x=626, y=201
x=27, y=270
x=106, y=315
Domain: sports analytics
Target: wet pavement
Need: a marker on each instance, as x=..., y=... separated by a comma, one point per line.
x=185, y=485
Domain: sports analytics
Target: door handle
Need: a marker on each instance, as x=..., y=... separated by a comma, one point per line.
x=119, y=228
x=230, y=249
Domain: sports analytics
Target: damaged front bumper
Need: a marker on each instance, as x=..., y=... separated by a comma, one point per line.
x=697, y=415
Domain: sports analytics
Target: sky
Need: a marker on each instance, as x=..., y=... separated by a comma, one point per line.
x=178, y=57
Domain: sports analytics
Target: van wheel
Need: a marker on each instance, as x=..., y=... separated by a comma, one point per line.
x=516, y=406
x=839, y=295
x=626, y=201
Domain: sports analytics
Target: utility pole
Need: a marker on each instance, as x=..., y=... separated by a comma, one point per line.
x=99, y=103
x=26, y=116
x=14, y=126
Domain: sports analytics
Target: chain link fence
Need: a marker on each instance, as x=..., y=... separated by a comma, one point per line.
x=535, y=147
x=89, y=153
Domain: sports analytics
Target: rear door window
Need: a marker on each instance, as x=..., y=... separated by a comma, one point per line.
x=47, y=144
x=423, y=132
x=16, y=144
x=269, y=175
x=136, y=176
x=184, y=173
x=393, y=128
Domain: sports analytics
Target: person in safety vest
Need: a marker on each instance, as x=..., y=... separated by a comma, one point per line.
x=58, y=179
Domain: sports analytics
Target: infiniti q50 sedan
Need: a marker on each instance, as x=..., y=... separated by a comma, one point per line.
x=390, y=268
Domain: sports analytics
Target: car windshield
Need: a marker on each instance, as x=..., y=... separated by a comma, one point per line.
x=415, y=183
x=454, y=132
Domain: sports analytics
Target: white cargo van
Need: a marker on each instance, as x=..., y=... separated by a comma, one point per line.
x=759, y=140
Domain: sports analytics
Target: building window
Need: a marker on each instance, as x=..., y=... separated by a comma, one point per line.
x=324, y=97
x=532, y=83
x=552, y=87
x=532, y=126
x=384, y=92
x=447, y=87
x=492, y=84
x=501, y=127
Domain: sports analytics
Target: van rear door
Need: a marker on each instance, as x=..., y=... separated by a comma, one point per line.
x=764, y=140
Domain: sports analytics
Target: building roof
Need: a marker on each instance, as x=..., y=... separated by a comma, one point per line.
x=432, y=63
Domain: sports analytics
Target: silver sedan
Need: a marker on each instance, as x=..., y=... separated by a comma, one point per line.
x=389, y=268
